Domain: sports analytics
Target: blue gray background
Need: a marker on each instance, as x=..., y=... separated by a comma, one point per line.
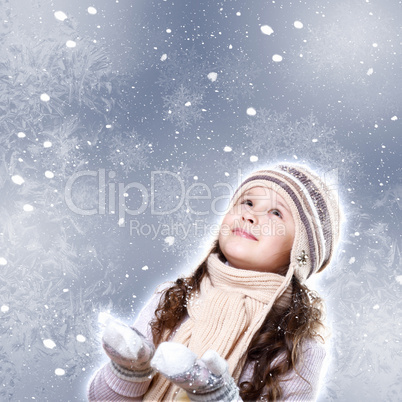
x=96, y=101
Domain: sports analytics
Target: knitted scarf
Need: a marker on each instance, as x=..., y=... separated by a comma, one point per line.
x=230, y=307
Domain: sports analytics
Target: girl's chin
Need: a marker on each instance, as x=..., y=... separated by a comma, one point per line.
x=246, y=264
x=239, y=263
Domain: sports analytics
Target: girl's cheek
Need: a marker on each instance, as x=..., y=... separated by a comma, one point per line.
x=236, y=210
x=225, y=229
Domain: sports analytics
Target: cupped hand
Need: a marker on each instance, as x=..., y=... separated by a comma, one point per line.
x=126, y=346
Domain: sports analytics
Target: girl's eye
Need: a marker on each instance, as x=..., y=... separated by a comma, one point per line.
x=248, y=202
x=276, y=212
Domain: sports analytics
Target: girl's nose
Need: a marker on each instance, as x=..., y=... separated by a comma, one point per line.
x=248, y=216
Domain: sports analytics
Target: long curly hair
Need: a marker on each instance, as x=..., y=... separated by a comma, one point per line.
x=281, y=334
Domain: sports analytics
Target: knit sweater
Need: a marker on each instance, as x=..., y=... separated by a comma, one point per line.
x=106, y=385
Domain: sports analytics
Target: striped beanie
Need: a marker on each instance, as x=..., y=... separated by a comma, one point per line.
x=315, y=210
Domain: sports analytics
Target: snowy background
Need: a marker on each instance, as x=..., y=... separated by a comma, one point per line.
x=110, y=111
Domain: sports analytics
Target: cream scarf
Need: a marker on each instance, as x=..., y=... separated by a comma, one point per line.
x=230, y=307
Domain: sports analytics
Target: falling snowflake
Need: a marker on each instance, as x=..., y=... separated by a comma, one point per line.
x=251, y=111
x=298, y=24
x=277, y=58
x=60, y=15
x=212, y=76
x=266, y=30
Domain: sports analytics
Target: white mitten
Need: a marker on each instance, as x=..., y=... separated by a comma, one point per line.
x=130, y=352
x=205, y=379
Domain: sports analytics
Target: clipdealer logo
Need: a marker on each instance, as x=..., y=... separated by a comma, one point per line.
x=114, y=195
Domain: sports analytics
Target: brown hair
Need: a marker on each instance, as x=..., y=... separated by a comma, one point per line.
x=280, y=336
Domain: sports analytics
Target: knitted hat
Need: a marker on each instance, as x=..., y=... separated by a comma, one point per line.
x=315, y=211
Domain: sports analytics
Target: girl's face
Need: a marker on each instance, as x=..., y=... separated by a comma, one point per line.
x=258, y=232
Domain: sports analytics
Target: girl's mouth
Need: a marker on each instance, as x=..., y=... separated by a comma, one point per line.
x=243, y=233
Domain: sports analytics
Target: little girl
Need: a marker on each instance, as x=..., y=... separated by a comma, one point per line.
x=243, y=326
